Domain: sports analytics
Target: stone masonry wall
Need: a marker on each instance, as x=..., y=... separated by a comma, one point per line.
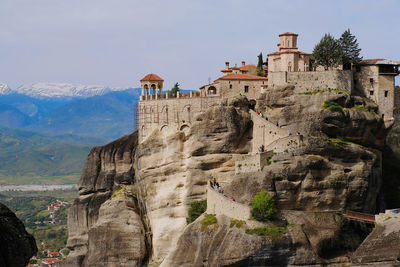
x=264, y=132
x=312, y=80
x=219, y=204
x=251, y=162
x=285, y=144
x=171, y=115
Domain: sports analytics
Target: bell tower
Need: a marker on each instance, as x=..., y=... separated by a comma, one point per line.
x=151, y=85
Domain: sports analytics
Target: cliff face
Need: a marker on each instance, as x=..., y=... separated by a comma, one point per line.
x=103, y=229
x=16, y=245
x=174, y=170
x=338, y=166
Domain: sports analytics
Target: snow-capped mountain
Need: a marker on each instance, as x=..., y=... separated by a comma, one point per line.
x=60, y=90
x=4, y=89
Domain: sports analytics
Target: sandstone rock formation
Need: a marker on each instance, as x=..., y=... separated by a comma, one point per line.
x=96, y=222
x=16, y=245
x=381, y=247
x=338, y=166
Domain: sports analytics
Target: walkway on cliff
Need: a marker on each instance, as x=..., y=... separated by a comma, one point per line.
x=358, y=216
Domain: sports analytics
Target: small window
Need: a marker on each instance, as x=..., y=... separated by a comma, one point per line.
x=230, y=86
x=371, y=80
x=263, y=82
x=386, y=93
x=383, y=116
x=371, y=92
x=246, y=88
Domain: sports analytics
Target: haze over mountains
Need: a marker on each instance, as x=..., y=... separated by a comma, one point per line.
x=53, y=109
x=48, y=128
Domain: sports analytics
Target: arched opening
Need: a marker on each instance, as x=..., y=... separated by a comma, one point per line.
x=164, y=129
x=252, y=104
x=153, y=89
x=185, y=128
x=186, y=118
x=164, y=114
x=146, y=89
x=212, y=90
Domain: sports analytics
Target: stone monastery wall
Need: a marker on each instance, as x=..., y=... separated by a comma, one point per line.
x=285, y=144
x=172, y=114
x=312, y=80
x=264, y=132
x=251, y=162
x=219, y=204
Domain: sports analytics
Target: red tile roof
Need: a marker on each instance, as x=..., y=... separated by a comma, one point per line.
x=287, y=33
x=237, y=76
x=378, y=61
x=287, y=52
x=51, y=261
x=247, y=67
x=151, y=77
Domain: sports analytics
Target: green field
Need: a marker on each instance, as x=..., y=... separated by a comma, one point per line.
x=27, y=180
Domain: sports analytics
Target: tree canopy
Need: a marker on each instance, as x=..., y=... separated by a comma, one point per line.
x=327, y=52
x=263, y=206
x=350, y=49
x=175, y=89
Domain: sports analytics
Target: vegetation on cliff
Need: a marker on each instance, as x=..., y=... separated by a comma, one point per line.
x=195, y=210
x=263, y=206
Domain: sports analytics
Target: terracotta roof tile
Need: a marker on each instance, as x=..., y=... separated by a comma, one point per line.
x=287, y=33
x=237, y=76
x=378, y=61
x=151, y=77
x=247, y=67
x=287, y=52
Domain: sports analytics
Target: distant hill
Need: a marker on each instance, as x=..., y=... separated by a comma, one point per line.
x=58, y=90
x=27, y=153
x=106, y=117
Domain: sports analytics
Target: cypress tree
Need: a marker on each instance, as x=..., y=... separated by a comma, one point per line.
x=175, y=89
x=350, y=49
x=260, y=66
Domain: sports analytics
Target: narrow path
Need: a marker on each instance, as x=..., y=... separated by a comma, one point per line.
x=358, y=216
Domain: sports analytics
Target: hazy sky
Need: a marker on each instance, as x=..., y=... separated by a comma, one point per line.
x=117, y=42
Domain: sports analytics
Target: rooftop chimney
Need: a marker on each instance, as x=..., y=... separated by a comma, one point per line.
x=243, y=63
x=227, y=65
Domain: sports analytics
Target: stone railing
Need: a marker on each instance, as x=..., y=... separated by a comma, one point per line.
x=219, y=204
x=381, y=217
x=168, y=95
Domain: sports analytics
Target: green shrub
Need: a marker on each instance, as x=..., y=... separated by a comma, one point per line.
x=237, y=223
x=209, y=219
x=271, y=231
x=263, y=206
x=196, y=209
x=332, y=106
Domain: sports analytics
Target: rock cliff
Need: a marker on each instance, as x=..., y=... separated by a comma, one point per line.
x=106, y=230
x=337, y=166
x=16, y=245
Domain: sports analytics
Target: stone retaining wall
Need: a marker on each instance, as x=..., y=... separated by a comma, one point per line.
x=219, y=204
x=264, y=132
x=312, y=80
x=285, y=144
x=252, y=162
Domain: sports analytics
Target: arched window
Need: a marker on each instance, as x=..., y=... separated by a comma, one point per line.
x=212, y=90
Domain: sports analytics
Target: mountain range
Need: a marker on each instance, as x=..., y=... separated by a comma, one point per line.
x=98, y=112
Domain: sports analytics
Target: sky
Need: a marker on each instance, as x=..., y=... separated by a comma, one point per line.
x=117, y=42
